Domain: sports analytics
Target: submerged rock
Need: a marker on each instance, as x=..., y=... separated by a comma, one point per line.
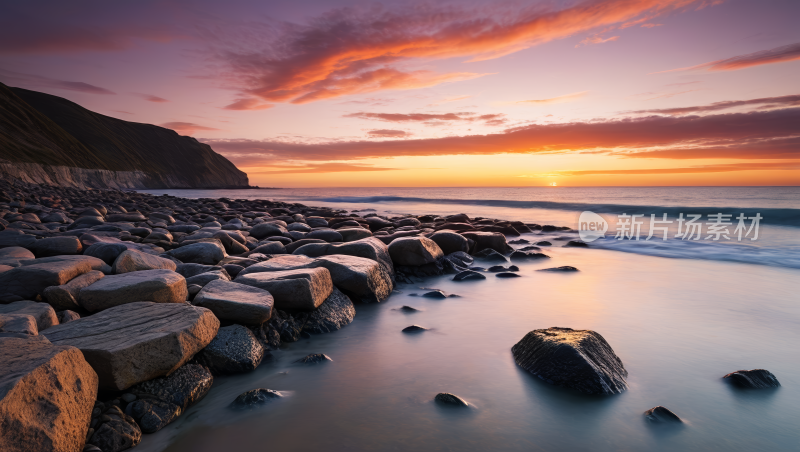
x=564, y=268
x=314, y=358
x=450, y=399
x=434, y=294
x=468, y=275
x=333, y=314
x=577, y=243
x=508, y=275
x=577, y=359
x=753, y=379
x=235, y=349
x=117, y=432
x=414, y=329
x=255, y=397
x=490, y=255
x=661, y=415
x=409, y=309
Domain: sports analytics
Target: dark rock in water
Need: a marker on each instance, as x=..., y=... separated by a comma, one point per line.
x=508, y=275
x=513, y=268
x=450, y=399
x=524, y=256
x=235, y=349
x=456, y=262
x=490, y=255
x=468, y=275
x=564, y=268
x=118, y=431
x=753, y=379
x=530, y=248
x=334, y=313
x=496, y=268
x=661, y=415
x=577, y=359
x=434, y=294
x=544, y=243
x=314, y=358
x=518, y=242
x=414, y=329
x=161, y=400
x=256, y=397
x=409, y=309
x=477, y=269
x=577, y=243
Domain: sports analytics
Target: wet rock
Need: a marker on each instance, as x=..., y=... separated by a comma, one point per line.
x=577, y=244
x=255, y=397
x=119, y=432
x=414, y=251
x=501, y=268
x=518, y=242
x=303, y=289
x=468, y=275
x=162, y=400
x=564, y=268
x=526, y=256
x=234, y=350
x=456, y=262
x=451, y=400
x=661, y=415
x=450, y=242
x=56, y=246
x=435, y=294
x=753, y=379
x=158, y=286
x=138, y=341
x=234, y=302
x=334, y=313
x=205, y=253
x=414, y=329
x=530, y=248
x=489, y=255
x=66, y=295
x=544, y=243
x=314, y=358
x=508, y=275
x=409, y=309
x=47, y=393
x=577, y=359
x=134, y=261
x=488, y=240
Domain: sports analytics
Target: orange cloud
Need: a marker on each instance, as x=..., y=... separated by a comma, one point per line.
x=432, y=119
x=247, y=104
x=185, y=128
x=386, y=133
x=722, y=168
x=326, y=168
x=151, y=98
x=596, y=40
x=351, y=51
x=782, y=54
x=764, y=102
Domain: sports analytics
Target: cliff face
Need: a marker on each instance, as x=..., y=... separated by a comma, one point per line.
x=47, y=139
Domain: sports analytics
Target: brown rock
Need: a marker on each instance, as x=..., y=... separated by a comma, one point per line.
x=133, y=261
x=65, y=296
x=159, y=286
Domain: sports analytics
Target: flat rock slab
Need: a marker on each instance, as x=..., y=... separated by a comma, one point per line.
x=234, y=350
x=138, y=341
x=18, y=324
x=132, y=261
x=56, y=246
x=370, y=248
x=577, y=359
x=28, y=281
x=66, y=295
x=414, y=251
x=234, y=302
x=42, y=313
x=95, y=263
x=158, y=286
x=753, y=379
x=303, y=289
x=47, y=393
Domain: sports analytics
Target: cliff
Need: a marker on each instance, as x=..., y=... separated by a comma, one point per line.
x=47, y=139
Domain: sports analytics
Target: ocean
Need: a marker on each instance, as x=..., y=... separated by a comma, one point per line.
x=680, y=313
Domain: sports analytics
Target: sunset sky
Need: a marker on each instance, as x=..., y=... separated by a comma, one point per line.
x=467, y=93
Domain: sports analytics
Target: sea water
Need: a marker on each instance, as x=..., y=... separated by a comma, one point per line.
x=678, y=324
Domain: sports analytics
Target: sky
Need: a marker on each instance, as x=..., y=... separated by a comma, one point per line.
x=342, y=93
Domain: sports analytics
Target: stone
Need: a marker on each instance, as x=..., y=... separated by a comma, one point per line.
x=158, y=286
x=134, y=261
x=94, y=263
x=450, y=242
x=508, y=275
x=302, y=289
x=162, y=400
x=447, y=398
x=290, y=248
x=189, y=270
x=31, y=280
x=66, y=295
x=456, y=262
x=206, y=253
x=468, y=275
x=138, y=341
x=42, y=313
x=202, y=279
x=577, y=359
x=119, y=432
x=16, y=238
x=333, y=314
x=270, y=247
x=370, y=248
x=414, y=329
x=661, y=415
x=233, y=269
x=12, y=255
x=328, y=235
x=18, y=324
x=56, y=246
x=314, y=358
x=544, y=243
x=353, y=234
x=409, y=309
x=234, y=350
x=563, y=268
x=526, y=256
x=753, y=379
x=488, y=240
x=264, y=230
x=235, y=302
x=255, y=397
x=490, y=255
x=47, y=393
x=67, y=316
x=231, y=246
x=435, y=294
x=414, y=251
x=577, y=244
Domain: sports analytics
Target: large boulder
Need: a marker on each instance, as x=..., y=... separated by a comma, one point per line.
x=577, y=359
x=28, y=281
x=206, y=253
x=302, y=289
x=488, y=240
x=353, y=234
x=42, y=313
x=269, y=247
x=234, y=302
x=138, y=341
x=134, y=261
x=94, y=263
x=56, y=246
x=202, y=279
x=47, y=393
x=159, y=286
x=235, y=350
x=66, y=295
x=369, y=248
x=414, y=251
x=450, y=242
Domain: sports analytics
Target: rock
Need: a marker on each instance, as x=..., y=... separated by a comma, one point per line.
x=414, y=251
x=264, y=230
x=414, y=329
x=158, y=286
x=206, y=253
x=271, y=247
x=334, y=313
x=544, y=243
x=189, y=270
x=67, y=316
x=328, y=235
x=508, y=275
x=564, y=268
x=753, y=379
x=119, y=432
x=28, y=281
x=232, y=269
x=409, y=309
x=16, y=238
x=497, y=268
x=303, y=289
x=450, y=242
x=234, y=302
x=468, y=275
x=56, y=246
x=234, y=350
x=435, y=294
x=47, y=394
x=161, y=400
x=518, y=242
x=17, y=324
x=12, y=255
x=130, y=217
x=490, y=255
x=290, y=248
x=353, y=234
x=218, y=274
x=661, y=415
x=577, y=359
x=138, y=341
x=450, y=399
x=66, y=295
x=255, y=397
x=134, y=261
x=369, y=248
x=231, y=246
x=94, y=263
x=530, y=248
x=525, y=256
x=488, y=240
x=577, y=243
x=314, y=358
x=44, y=315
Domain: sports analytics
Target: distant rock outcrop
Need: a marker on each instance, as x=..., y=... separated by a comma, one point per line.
x=49, y=140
